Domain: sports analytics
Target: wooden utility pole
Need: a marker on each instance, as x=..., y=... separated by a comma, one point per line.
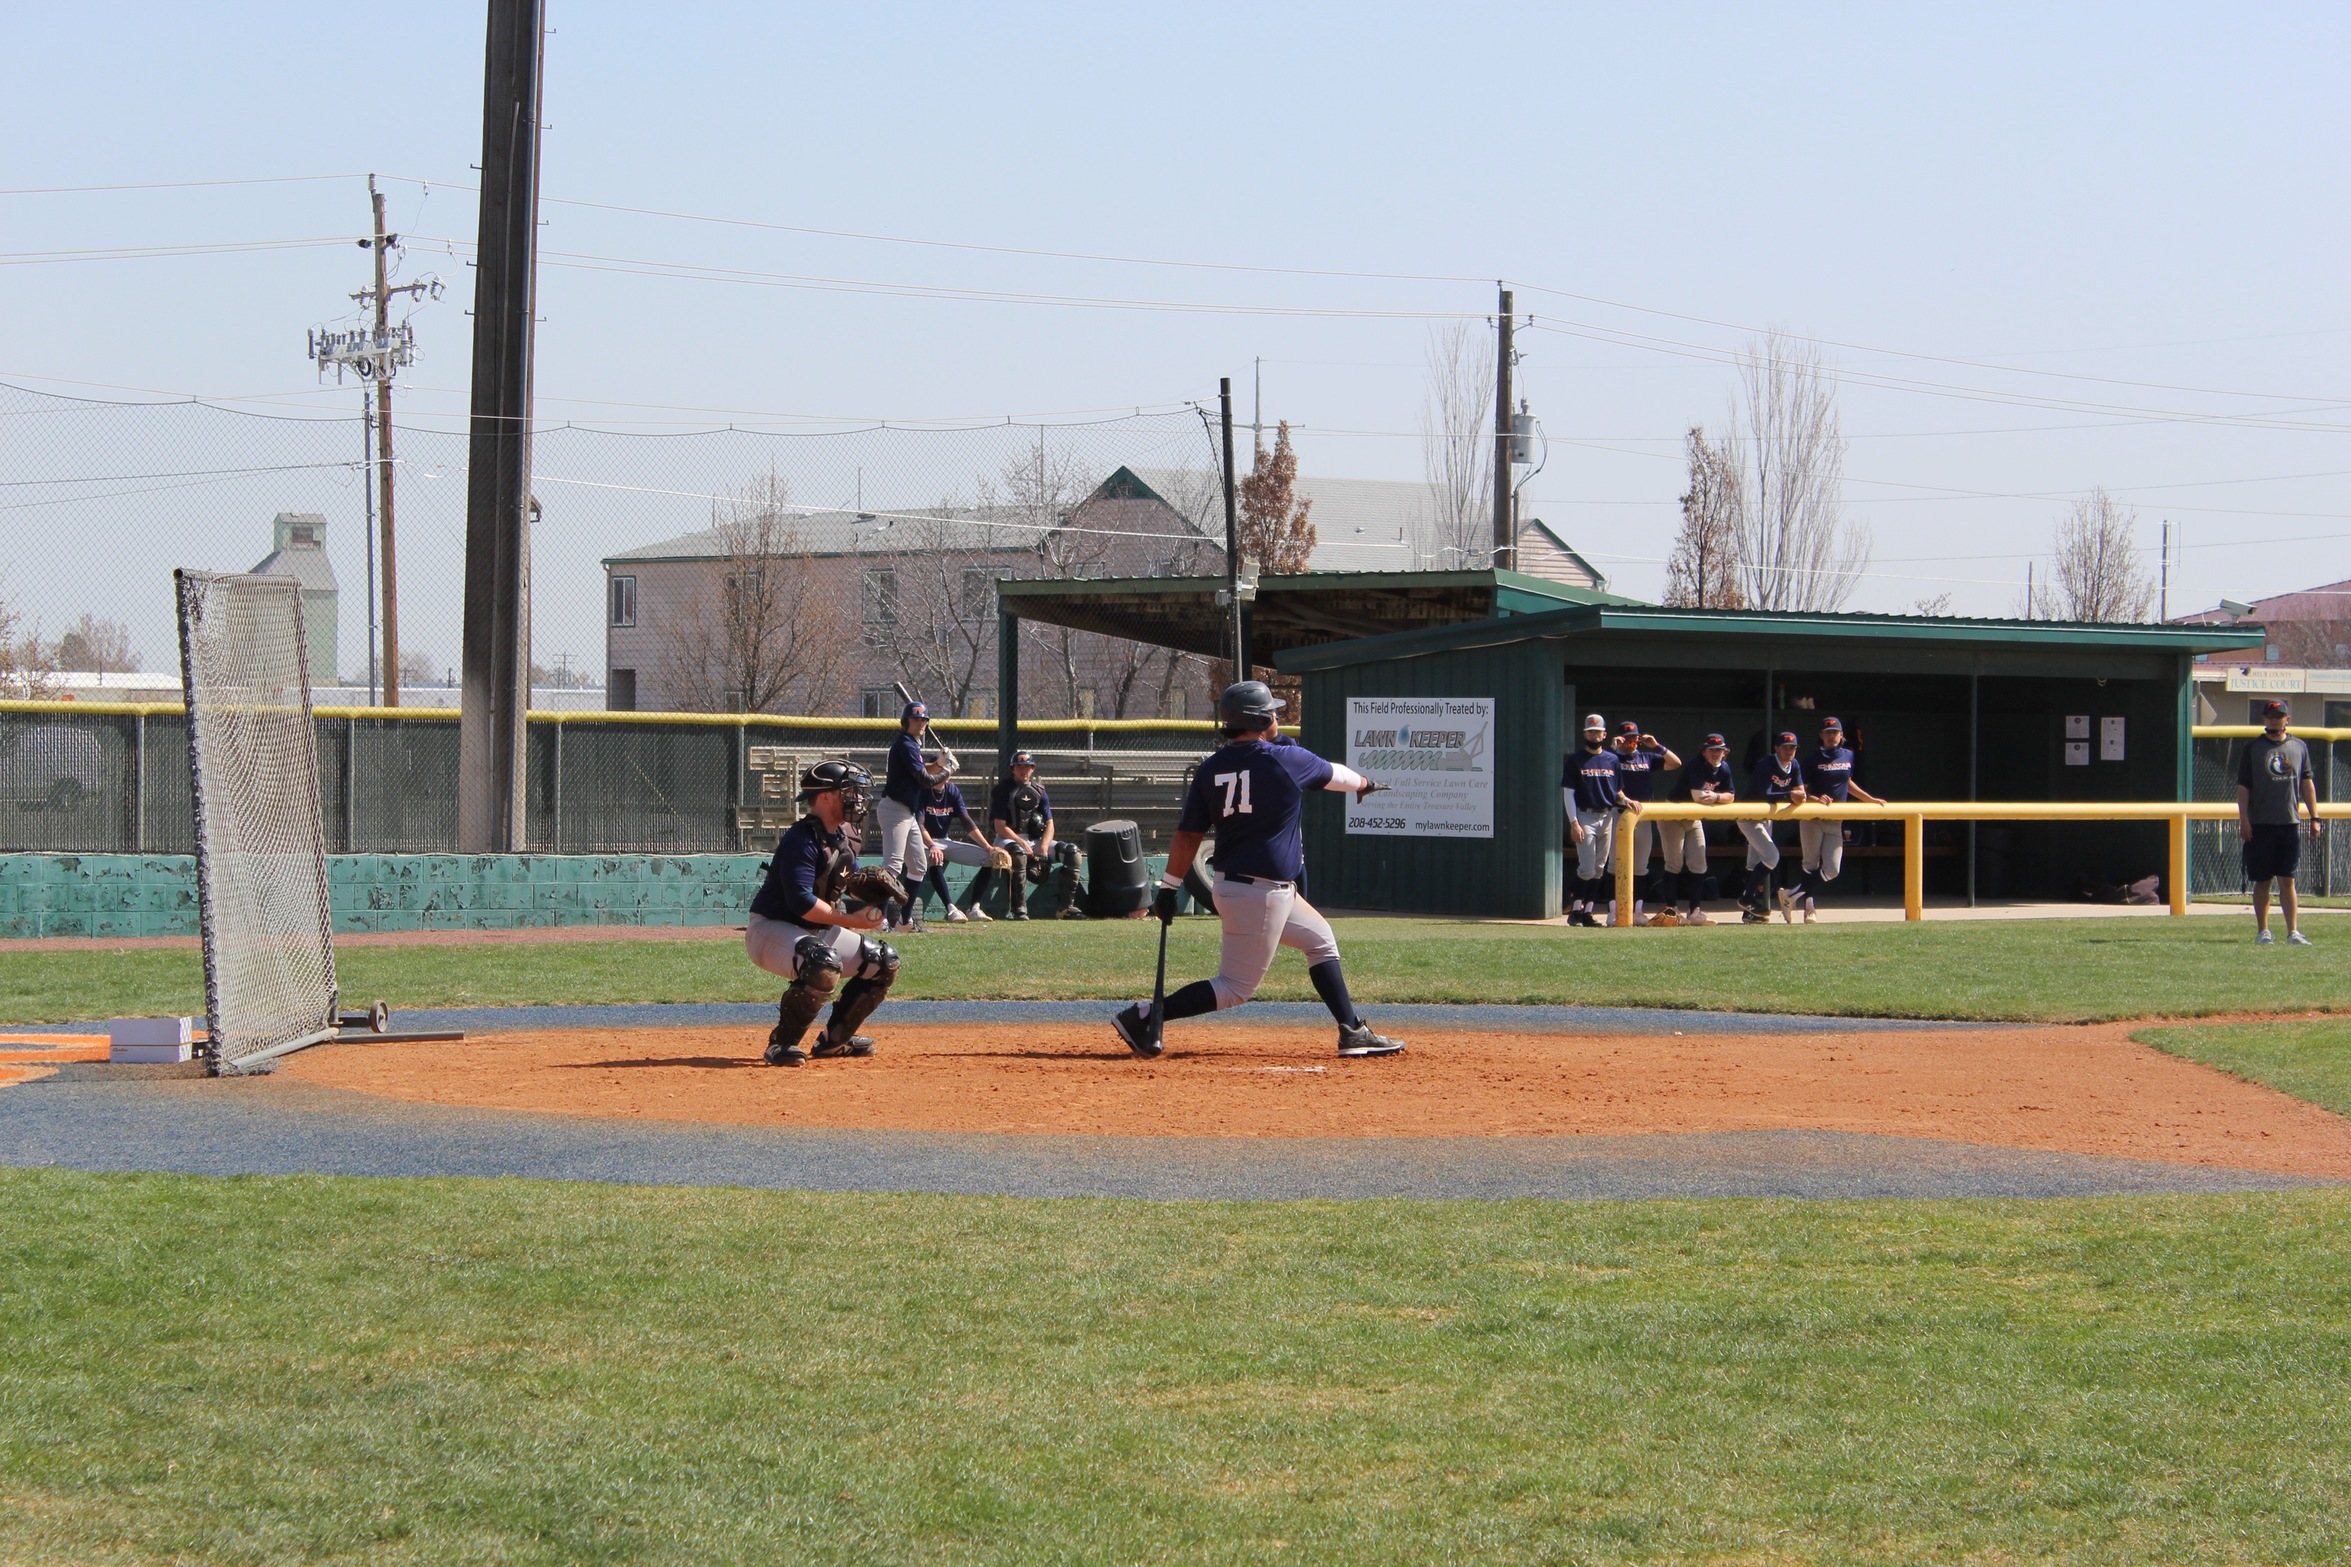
x=497, y=669
x=1505, y=495
x=384, y=460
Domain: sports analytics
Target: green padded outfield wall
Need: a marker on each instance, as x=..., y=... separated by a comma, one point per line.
x=1514, y=874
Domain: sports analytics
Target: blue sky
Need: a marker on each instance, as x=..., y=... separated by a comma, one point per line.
x=2147, y=194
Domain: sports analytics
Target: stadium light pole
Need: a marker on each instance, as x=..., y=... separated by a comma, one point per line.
x=497, y=666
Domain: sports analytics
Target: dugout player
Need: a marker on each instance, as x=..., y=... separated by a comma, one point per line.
x=1707, y=781
x=1828, y=780
x=1778, y=780
x=1250, y=794
x=1588, y=788
x=943, y=813
x=2274, y=786
x=798, y=927
x=1020, y=820
x=905, y=850
x=1640, y=757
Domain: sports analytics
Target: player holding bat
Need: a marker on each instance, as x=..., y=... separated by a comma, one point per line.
x=1249, y=795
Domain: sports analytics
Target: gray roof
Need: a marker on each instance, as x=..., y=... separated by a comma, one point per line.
x=1359, y=524
x=1000, y=530
x=306, y=564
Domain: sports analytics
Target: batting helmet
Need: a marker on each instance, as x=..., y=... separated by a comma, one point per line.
x=1247, y=704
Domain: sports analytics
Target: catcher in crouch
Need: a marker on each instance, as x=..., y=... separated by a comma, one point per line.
x=1249, y=794
x=801, y=928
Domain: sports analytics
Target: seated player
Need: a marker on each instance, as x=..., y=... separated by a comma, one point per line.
x=1020, y=816
x=1249, y=794
x=954, y=838
x=802, y=928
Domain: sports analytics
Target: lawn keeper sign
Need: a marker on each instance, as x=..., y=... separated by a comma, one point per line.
x=1434, y=753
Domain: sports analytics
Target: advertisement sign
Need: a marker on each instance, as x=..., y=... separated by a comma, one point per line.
x=1436, y=756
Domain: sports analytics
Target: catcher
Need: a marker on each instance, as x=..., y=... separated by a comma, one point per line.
x=803, y=928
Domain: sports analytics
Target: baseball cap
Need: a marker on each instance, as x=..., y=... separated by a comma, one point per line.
x=1594, y=721
x=1628, y=727
x=1023, y=759
x=2275, y=709
x=1838, y=724
x=1714, y=740
x=1786, y=738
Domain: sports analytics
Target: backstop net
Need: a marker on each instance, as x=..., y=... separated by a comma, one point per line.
x=261, y=868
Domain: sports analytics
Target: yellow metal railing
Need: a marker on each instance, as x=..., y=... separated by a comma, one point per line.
x=1914, y=818
x=597, y=715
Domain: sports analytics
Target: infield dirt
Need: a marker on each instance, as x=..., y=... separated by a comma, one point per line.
x=2090, y=1090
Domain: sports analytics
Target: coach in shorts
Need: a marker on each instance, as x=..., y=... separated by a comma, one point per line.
x=2274, y=788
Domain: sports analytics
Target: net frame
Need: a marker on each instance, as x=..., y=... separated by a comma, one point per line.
x=261, y=868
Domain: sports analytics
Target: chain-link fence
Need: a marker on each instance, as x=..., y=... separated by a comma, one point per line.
x=81, y=780
x=787, y=570
x=2216, y=864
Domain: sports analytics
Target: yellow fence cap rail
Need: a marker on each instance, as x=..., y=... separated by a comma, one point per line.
x=2248, y=731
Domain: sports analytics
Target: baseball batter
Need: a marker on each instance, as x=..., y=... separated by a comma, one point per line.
x=801, y=928
x=1588, y=788
x=1707, y=781
x=905, y=849
x=1250, y=795
x=1828, y=779
x=1640, y=758
x=1778, y=780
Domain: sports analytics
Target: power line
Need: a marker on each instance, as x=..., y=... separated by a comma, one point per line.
x=258, y=179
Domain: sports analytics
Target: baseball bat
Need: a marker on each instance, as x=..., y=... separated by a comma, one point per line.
x=947, y=758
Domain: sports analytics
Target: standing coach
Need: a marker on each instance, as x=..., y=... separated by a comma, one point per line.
x=2274, y=786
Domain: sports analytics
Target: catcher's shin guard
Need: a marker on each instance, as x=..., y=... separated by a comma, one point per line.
x=877, y=971
x=1065, y=902
x=1016, y=887
x=818, y=969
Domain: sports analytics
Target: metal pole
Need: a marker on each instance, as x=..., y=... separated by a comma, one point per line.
x=367, y=491
x=1505, y=536
x=491, y=773
x=555, y=800
x=1007, y=690
x=1975, y=684
x=350, y=783
x=1232, y=536
x=139, y=783
x=384, y=461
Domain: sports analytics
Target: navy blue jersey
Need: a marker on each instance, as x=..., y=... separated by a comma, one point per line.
x=802, y=854
x=1636, y=773
x=905, y=782
x=1703, y=774
x=1829, y=772
x=1773, y=778
x=942, y=808
x=1249, y=795
x=1591, y=778
x=1023, y=807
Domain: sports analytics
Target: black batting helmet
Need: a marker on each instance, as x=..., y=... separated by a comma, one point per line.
x=1247, y=704
x=848, y=778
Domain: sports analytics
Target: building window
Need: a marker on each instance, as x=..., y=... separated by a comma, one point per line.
x=881, y=596
x=1085, y=703
x=881, y=702
x=620, y=695
x=979, y=593
x=1175, y=702
x=2271, y=652
x=302, y=535
x=980, y=704
x=624, y=601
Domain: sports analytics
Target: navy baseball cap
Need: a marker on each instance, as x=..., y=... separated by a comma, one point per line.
x=1023, y=759
x=1786, y=738
x=1628, y=727
x=1838, y=724
x=1714, y=740
x=2275, y=709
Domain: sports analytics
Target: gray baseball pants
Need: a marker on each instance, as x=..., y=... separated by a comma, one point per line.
x=1259, y=919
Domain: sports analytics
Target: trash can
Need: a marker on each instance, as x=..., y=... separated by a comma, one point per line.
x=1116, y=885
x=1199, y=888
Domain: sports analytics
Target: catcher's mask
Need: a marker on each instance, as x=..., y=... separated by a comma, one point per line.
x=846, y=778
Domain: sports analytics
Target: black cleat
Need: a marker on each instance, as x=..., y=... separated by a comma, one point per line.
x=1361, y=1041
x=859, y=1045
x=1582, y=917
x=1134, y=1027
x=782, y=1054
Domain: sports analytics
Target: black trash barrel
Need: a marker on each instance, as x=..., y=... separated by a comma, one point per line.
x=1116, y=885
x=1201, y=890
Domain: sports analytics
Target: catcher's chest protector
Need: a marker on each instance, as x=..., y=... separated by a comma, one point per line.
x=843, y=860
x=1028, y=809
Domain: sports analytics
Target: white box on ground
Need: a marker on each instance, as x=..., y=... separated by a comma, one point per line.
x=147, y=1040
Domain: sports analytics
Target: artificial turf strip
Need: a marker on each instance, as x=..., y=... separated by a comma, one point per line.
x=202, y=1370
x=2025, y=970
x=2310, y=1058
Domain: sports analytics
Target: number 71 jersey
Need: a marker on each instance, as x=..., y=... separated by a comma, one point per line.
x=1248, y=795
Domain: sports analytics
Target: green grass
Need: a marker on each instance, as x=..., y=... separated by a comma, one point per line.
x=2309, y=1058
x=202, y=1371
x=2056, y=970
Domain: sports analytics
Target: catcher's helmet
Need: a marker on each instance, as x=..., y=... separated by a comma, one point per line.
x=848, y=778
x=1248, y=704
x=1023, y=759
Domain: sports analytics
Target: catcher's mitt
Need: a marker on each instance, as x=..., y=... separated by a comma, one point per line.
x=874, y=884
x=1001, y=859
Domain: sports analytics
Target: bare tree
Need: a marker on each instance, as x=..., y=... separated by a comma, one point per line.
x=98, y=646
x=25, y=665
x=1037, y=492
x=2097, y=574
x=1457, y=448
x=1797, y=550
x=1939, y=604
x=759, y=636
x=2323, y=642
x=1703, y=570
x=945, y=636
x=1273, y=523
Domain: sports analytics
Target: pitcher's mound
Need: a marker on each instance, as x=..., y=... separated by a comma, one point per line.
x=2076, y=1090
